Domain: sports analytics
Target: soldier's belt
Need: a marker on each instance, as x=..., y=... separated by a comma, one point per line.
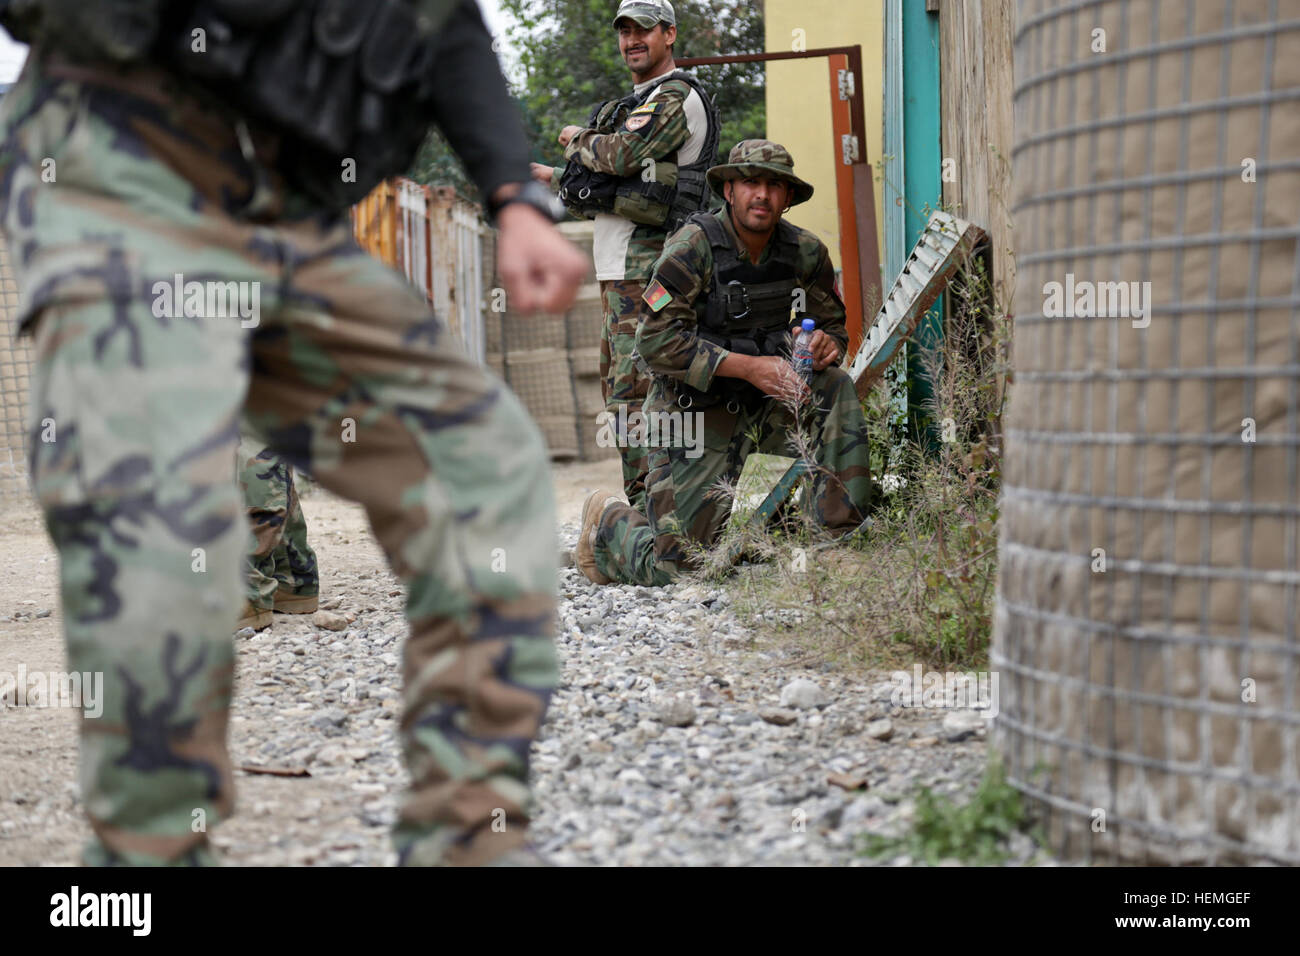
x=733, y=393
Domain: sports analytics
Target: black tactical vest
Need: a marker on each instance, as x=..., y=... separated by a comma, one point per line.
x=745, y=308
x=674, y=194
x=344, y=82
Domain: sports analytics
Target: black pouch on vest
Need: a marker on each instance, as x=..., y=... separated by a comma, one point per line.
x=252, y=13
x=285, y=81
x=338, y=30
x=227, y=51
x=388, y=55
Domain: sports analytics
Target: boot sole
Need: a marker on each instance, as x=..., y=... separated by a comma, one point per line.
x=297, y=603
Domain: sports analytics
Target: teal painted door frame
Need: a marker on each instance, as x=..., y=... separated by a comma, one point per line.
x=913, y=166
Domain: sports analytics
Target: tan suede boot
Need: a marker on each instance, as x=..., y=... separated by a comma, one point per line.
x=584, y=555
x=286, y=602
x=258, y=618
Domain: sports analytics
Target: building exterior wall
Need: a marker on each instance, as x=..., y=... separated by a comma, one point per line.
x=975, y=53
x=798, y=99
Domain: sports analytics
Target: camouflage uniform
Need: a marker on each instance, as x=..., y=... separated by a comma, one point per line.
x=281, y=565
x=346, y=374
x=683, y=505
x=623, y=377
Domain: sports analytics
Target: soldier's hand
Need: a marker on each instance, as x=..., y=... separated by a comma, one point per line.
x=825, y=350
x=568, y=133
x=540, y=268
x=777, y=377
x=541, y=173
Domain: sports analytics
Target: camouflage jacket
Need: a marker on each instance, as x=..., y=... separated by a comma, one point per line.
x=666, y=338
x=656, y=134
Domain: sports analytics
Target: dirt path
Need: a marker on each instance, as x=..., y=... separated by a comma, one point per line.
x=279, y=820
x=673, y=738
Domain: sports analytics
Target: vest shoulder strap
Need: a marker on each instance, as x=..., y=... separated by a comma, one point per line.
x=786, y=248
x=717, y=236
x=713, y=132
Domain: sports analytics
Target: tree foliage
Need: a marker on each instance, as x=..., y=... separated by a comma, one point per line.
x=568, y=59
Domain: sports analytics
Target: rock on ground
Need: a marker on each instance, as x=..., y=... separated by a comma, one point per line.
x=675, y=737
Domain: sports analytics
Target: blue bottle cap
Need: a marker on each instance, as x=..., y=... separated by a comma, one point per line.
x=809, y=325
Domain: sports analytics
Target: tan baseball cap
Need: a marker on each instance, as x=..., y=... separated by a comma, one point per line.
x=646, y=12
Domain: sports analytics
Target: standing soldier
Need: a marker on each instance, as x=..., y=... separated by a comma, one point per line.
x=716, y=333
x=638, y=170
x=281, y=569
x=216, y=146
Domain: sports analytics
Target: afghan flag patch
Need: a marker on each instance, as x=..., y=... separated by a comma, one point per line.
x=656, y=296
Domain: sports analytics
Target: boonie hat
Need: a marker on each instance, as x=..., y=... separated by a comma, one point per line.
x=759, y=157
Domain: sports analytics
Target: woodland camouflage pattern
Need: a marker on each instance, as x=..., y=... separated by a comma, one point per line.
x=667, y=338
x=622, y=380
x=622, y=153
x=139, y=486
x=684, y=509
x=281, y=559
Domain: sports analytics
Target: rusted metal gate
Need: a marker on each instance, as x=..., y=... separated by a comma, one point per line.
x=438, y=242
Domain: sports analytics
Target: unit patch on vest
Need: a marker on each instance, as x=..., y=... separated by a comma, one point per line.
x=656, y=296
x=636, y=122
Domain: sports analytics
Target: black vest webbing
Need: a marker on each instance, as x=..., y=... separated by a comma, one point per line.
x=746, y=307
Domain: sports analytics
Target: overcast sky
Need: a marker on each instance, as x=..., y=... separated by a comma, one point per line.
x=12, y=54
x=11, y=58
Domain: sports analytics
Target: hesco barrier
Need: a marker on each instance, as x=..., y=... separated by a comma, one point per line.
x=551, y=361
x=1146, y=617
x=15, y=377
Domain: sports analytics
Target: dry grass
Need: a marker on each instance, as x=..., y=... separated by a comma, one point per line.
x=919, y=582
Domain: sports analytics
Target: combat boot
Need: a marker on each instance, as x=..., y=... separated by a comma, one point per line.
x=258, y=618
x=287, y=602
x=585, y=553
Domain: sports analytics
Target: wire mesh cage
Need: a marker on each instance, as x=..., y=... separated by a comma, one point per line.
x=15, y=376
x=1145, y=628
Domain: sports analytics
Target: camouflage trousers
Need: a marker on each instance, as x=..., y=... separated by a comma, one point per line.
x=623, y=382
x=338, y=365
x=684, y=504
x=281, y=561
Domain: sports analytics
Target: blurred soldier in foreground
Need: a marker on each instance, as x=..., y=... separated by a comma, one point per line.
x=281, y=570
x=161, y=160
x=638, y=171
x=716, y=331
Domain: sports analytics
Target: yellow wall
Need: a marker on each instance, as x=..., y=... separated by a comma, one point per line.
x=798, y=99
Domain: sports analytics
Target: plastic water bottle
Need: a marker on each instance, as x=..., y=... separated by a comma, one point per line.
x=803, y=356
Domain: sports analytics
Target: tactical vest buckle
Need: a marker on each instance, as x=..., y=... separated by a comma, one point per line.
x=733, y=406
x=732, y=286
x=684, y=401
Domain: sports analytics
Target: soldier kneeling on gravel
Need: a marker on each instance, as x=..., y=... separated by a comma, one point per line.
x=715, y=330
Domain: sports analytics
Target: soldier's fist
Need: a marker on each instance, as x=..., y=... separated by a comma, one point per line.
x=540, y=268
x=568, y=133
x=541, y=173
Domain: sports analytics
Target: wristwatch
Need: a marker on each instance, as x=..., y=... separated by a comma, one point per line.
x=534, y=194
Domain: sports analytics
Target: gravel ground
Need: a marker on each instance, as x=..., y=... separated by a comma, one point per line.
x=675, y=737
